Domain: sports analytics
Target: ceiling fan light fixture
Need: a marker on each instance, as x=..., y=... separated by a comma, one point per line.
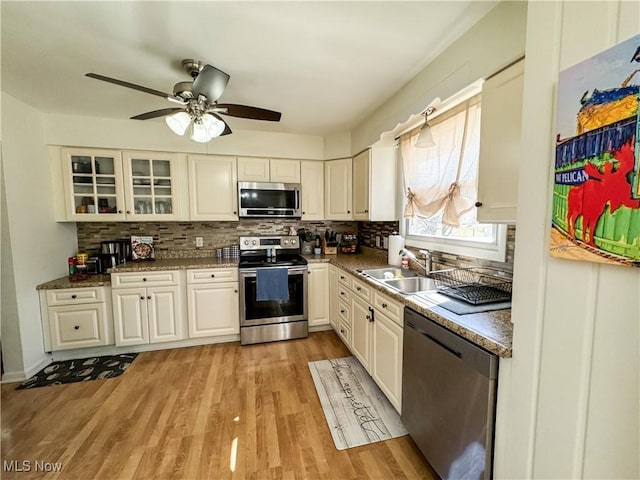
x=199, y=132
x=178, y=122
x=213, y=125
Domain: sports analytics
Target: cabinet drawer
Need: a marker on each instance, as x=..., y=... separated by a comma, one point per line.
x=344, y=332
x=344, y=293
x=344, y=313
x=77, y=326
x=390, y=308
x=210, y=275
x=73, y=296
x=144, y=279
x=344, y=278
x=361, y=289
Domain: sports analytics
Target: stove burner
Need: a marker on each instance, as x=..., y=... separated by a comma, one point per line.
x=262, y=261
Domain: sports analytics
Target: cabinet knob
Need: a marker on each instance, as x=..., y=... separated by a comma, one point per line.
x=341, y=277
x=149, y=297
x=384, y=305
x=341, y=293
x=141, y=298
x=478, y=204
x=309, y=272
x=342, y=311
x=119, y=211
x=235, y=291
x=304, y=213
x=366, y=211
x=235, y=213
x=368, y=317
x=76, y=327
x=213, y=275
x=348, y=211
x=128, y=212
x=74, y=296
x=342, y=330
x=358, y=288
x=144, y=279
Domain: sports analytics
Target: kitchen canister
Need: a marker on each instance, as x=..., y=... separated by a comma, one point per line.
x=396, y=243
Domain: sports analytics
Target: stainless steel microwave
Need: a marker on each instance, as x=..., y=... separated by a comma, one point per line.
x=264, y=200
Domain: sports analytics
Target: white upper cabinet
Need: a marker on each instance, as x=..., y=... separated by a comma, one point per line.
x=252, y=169
x=338, y=189
x=500, y=131
x=312, y=185
x=285, y=171
x=212, y=188
x=152, y=185
x=93, y=187
x=108, y=185
x=374, y=184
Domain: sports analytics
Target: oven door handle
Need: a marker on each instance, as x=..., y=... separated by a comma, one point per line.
x=251, y=272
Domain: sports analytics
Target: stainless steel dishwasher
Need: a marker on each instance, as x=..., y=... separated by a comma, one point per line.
x=448, y=398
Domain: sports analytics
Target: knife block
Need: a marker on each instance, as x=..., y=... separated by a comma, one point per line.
x=329, y=248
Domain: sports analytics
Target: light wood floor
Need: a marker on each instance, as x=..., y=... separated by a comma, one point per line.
x=212, y=412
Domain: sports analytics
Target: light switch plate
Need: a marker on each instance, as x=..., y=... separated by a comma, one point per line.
x=199, y=242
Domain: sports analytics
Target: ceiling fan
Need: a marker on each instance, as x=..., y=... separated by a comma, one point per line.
x=198, y=100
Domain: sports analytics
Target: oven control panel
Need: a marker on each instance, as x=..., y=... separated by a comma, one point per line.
x=266, y=243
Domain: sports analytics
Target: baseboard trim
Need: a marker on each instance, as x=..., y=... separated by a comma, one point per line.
x=21, y=376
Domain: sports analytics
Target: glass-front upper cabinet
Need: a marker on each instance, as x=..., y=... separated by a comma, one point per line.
x=151, y=185
x=93, y=180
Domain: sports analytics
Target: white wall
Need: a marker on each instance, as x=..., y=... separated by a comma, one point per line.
x=155, y=135
x=34, y=247
x=569, y=398
x=492, y=43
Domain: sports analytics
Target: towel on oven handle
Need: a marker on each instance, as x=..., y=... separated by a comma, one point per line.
x=272, y=284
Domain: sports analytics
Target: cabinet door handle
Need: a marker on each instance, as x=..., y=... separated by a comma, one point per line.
x=74, y=296
x=478, y=204
x=371, y=317
x=76, y=327
x=149, y=297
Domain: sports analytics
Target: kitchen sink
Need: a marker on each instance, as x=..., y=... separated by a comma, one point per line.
x=388, y=273
x=411, y=285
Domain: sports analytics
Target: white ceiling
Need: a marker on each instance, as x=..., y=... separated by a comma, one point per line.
x=324, y=65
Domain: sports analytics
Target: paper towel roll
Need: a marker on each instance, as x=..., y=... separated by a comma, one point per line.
x=396, y=243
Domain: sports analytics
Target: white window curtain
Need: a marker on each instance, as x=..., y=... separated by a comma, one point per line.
x=444, y=177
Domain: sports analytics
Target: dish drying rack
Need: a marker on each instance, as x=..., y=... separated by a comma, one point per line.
x=476, y=285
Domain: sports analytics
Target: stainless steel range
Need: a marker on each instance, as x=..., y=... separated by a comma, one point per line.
x=273, y=289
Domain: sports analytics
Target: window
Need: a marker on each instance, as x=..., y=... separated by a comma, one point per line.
x=441, y=183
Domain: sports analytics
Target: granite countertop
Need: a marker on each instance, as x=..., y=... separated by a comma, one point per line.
x=492, y=331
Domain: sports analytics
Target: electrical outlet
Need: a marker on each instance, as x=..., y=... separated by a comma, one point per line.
x=378, y=244
x=199, y=242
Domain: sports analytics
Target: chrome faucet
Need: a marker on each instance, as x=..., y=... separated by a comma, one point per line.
x=428, y=262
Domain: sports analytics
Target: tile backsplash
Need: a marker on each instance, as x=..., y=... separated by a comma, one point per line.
x=177, y=239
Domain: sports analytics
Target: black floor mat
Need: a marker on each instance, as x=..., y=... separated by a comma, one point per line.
x=82, y=370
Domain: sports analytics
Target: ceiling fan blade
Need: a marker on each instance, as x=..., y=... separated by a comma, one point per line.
x=226, y=130
x=210, y=82
x=254, y=113
x=157, y=113
x=122, y=83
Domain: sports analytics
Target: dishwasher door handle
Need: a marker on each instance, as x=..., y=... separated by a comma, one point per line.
x=440, y=344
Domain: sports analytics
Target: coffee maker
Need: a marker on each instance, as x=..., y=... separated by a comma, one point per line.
x=115, y=252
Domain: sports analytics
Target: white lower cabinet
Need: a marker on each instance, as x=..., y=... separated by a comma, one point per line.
x=144, y=314
x=76, y=318
x=386, y=361
x=212, y=302
x=318, y=294
x=361, y=325
x=370, y=323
